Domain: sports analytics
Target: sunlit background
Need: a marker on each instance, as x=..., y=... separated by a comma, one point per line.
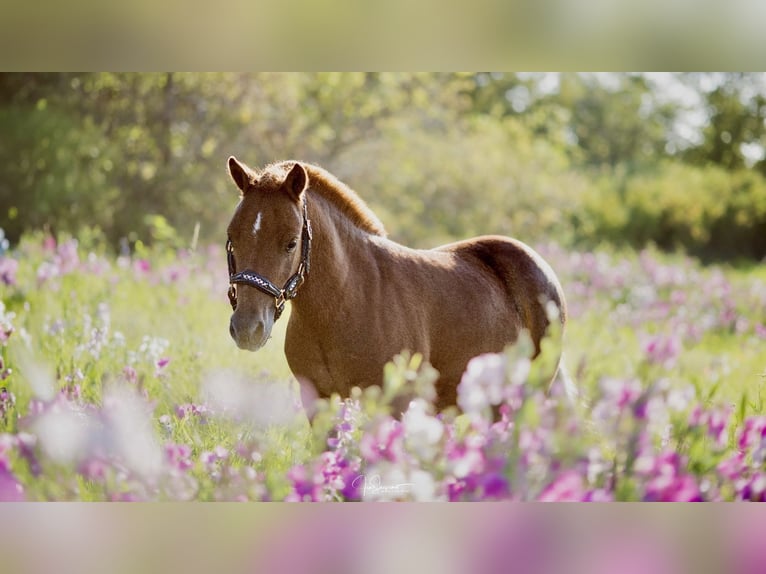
x=646, y=192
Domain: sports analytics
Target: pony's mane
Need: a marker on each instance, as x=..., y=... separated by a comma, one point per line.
x=329, y=187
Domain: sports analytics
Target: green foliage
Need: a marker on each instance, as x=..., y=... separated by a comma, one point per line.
x=706, y=211
x=470, y=177
x=440, y=157
x=737, y=109
x=54, y=171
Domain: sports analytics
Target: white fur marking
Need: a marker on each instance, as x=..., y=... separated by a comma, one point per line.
x=257, y=224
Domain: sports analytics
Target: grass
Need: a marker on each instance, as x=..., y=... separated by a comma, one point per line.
x=100, y=317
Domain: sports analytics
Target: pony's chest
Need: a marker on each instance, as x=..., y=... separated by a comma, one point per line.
x=334, y=361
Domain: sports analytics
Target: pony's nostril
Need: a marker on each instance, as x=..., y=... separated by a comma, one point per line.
x=232, y=330
x=258, y=331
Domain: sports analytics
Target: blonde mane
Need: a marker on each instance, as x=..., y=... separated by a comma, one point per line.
x=341, y=196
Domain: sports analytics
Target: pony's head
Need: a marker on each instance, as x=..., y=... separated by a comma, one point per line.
x=265, y=236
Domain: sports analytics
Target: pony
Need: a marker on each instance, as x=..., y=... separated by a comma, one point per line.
x=359, y=298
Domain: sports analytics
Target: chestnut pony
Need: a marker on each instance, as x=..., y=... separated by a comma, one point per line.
x=359, y=298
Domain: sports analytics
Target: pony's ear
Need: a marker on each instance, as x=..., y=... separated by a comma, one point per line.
x=296, y=181
x=240, y=173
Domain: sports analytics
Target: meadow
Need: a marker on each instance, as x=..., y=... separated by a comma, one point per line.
x=120, y=382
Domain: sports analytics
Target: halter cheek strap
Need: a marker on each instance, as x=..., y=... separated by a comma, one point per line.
x=253, y=279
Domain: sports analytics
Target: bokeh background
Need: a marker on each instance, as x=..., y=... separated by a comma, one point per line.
x=593, y=167
x=628, y=159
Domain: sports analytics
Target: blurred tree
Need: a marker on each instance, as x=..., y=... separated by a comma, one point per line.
x=439, y=155
x=108, y=149
x=606, y=119
x=615, y=123
x=736, y=109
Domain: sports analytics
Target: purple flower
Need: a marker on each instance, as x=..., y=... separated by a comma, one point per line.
x=179, y=456
x=752, y=432
x=160, y=365
x=6, y=327
x=697, y=417
x=305, y=487
x=385, y=441
x=717, y=423
x=11, y=490
x=733, y=467
x=754, y=489
x=598, y=495
x=668, y=483
x=191, y=409
x=7, y=399
x=661, y=350
x=680, y=488
x=495, y=486
x=8, y=268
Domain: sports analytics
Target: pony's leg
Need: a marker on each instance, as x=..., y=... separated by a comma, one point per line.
x=309, y=397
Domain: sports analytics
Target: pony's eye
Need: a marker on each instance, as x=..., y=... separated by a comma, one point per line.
x=292, y=245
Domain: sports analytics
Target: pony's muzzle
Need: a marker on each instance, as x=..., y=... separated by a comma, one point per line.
x=249, y=334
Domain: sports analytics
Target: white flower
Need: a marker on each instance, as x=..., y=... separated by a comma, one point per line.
x=422, y=431
x=131, y=432
x=235, y=395
x=482, y=383
x=64, y=433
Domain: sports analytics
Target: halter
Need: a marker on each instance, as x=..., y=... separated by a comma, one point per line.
x=290, y=290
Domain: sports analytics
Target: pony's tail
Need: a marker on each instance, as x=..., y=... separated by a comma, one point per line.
x=563, y=379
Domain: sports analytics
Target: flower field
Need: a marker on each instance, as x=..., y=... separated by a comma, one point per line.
x=120, y=382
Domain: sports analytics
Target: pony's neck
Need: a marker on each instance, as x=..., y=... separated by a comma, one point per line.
x=338, y=252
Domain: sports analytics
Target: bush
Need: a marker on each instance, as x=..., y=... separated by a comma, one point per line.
x=433, y=184
x=708, y=212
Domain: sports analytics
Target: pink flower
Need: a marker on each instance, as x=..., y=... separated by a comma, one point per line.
x=680, y=488
x=141, y=267
x=49, y=243
x=191, y=409
x=751, y=432
x=662, y=350
x=160, y=366
x=11, y=490
x=94, y=469
x=668, y=484
x=568, y=487
x=179, y=456
x=130, y=374
x=733, y=467
x=718, y=422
